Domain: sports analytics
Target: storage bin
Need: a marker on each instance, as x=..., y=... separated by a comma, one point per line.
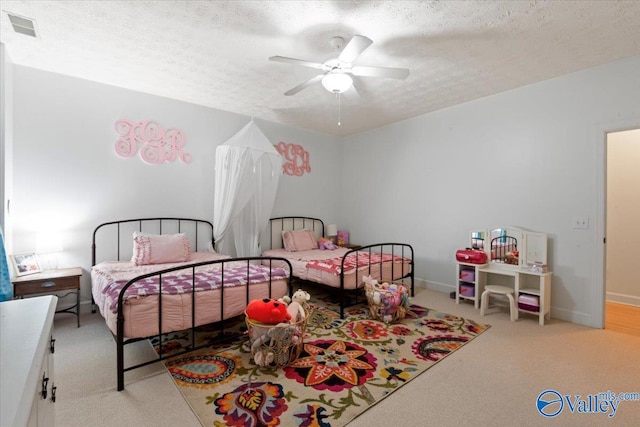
x=528, y=307
x=276, y=345
x=468, y=275
x=528, y=299
x=388, y=302
x=467, y=290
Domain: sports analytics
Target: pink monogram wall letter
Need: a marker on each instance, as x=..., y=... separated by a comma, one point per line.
x=159, y=145
x=296, y=159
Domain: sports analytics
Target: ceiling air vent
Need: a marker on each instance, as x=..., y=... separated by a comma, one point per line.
x=22, y=25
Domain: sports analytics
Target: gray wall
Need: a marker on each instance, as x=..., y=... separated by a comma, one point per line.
x=531, y=158
x=67, y=176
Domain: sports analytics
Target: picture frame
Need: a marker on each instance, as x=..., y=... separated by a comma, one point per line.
x=26, y=263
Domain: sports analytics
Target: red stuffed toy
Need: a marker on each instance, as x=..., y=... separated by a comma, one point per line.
x=268, y=311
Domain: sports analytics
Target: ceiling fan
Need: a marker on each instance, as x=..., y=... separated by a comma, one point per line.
x=336, y=72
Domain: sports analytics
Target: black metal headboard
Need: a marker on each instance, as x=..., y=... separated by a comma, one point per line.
x=503, y=248
x=116, y=237
x=286, y=223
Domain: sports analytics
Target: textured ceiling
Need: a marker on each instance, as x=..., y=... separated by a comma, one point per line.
x=215, y=53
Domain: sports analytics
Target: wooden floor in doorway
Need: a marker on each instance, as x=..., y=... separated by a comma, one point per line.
x=622, y=318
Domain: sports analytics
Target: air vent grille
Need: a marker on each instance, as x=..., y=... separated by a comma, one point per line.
x=22, y=24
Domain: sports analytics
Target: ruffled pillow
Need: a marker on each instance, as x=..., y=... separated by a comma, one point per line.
x=159, y=249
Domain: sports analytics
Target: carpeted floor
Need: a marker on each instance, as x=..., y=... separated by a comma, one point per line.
x=346, y=366
x=493, y=381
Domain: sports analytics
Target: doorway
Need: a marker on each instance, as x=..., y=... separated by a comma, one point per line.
x=622, y=231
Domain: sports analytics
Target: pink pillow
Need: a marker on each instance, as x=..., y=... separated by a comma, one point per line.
x=156, y=249
x=299, y=240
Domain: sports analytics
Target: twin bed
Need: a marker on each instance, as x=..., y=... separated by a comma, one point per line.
x=166, y=278
x=152, y=276
x=342, y=269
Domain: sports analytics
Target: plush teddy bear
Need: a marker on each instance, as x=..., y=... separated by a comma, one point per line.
x=296, y=306
x=326, y=244
x=268, y=311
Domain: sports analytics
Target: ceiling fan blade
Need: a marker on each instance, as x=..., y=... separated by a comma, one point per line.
x=354, y=48
x=304, y=63
x=304, y=85
x=392, y=73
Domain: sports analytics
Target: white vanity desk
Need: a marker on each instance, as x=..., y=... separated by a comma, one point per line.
x=524, y=282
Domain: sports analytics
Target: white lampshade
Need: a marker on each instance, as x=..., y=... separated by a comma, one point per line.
x=49, y=242
x=337, y=82
x=332, y=230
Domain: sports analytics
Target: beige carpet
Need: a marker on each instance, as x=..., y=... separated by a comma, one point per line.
x=493, y=381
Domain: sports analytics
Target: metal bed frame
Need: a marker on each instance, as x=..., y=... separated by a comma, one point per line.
x=501, y=246
x=221, y=336
x=403, y=250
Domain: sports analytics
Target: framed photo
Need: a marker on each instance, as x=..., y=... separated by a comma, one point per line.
x=26, y=263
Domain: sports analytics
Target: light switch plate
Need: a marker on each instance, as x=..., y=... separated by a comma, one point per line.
x=581, y=222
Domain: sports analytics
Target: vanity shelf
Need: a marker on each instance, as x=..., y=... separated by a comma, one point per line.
x=467, y=285
x=522, y=283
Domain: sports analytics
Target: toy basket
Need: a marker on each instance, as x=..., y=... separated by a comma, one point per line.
x=388, y=302
x=276, y=345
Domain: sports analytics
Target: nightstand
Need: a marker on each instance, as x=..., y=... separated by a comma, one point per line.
x=351, y=246
x=50, y=282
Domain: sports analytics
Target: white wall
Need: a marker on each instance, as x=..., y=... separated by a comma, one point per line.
x=623, y=211
x=68, y=176
x=6, y=143
x=528, y=157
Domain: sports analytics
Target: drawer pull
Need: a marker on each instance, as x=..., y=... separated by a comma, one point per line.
x=52, y=345
x=53, y=393
x=45, y=381
x=48, y=284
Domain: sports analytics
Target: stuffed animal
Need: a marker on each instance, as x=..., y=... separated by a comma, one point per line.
x=273, y=338
x=268, y=311
x=326, y=244
x=285, y=299
x=296, y=306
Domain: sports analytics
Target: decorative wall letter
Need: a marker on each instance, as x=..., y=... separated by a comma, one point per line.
x=159, y=145
x=297, y=159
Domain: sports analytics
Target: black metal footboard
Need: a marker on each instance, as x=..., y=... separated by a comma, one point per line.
x=280, y=224
x=162, y=278
x=398, y=272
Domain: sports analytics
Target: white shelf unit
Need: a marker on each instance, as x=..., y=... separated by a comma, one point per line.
x=524, y=282
x=460, y=267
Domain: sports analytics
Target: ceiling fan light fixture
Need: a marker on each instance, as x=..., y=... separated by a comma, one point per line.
x=337, y=82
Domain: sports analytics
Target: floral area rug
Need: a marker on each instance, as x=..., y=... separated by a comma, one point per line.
x=345, y=367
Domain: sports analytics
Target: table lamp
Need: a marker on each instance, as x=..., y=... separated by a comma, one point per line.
x=332, y=231
x=48, y=245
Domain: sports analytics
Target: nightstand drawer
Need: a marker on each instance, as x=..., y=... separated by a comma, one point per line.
x=45, y=286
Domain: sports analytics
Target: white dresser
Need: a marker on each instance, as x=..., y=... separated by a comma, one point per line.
x=27, y=387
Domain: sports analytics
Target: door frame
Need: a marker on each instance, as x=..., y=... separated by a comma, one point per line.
x=600, y=223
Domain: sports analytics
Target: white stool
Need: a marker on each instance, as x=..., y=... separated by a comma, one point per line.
x=499, y=290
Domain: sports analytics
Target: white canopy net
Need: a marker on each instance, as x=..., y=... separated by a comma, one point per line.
x=247, y=171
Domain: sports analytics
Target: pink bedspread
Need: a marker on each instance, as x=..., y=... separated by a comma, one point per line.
x=180, y=283
x=362, y=259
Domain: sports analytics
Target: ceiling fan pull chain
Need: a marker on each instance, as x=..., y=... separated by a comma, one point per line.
x=339, y=108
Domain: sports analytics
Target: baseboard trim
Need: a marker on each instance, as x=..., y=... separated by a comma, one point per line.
x=623, y=299
x=571, y=316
